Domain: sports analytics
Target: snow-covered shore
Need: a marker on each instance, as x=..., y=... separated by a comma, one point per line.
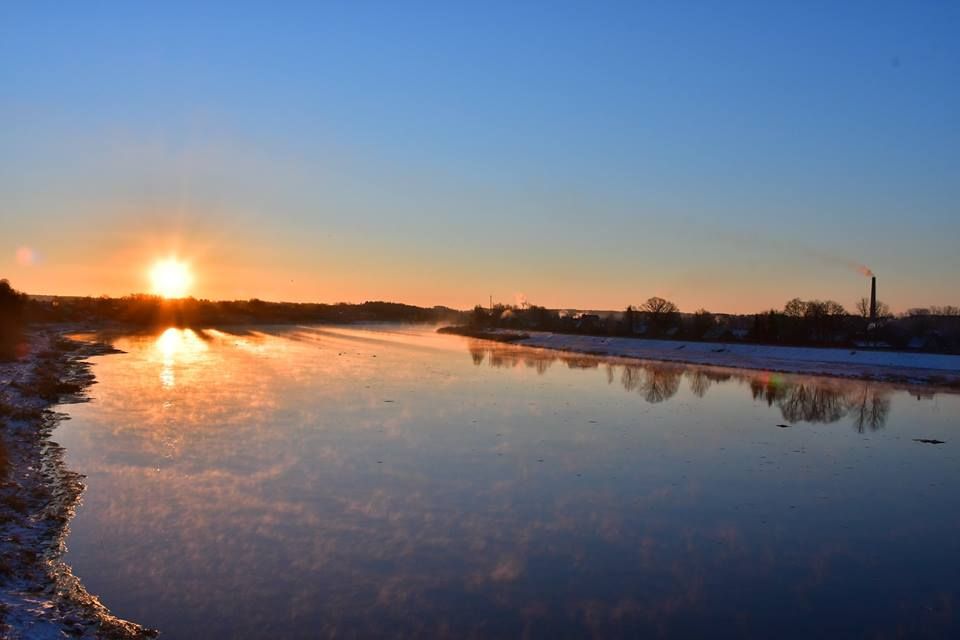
x=39, y=596
x=917, y=368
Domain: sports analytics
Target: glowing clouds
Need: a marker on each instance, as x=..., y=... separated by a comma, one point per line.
x=171, y=278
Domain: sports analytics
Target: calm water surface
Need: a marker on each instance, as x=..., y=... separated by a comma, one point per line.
x=388, y=482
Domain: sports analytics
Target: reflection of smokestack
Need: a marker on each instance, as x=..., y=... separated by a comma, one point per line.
x=873, y=298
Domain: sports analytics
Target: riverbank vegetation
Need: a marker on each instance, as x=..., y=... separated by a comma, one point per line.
x=149, y=311
x=865, y=404
x=13, y=306
x=799, y=323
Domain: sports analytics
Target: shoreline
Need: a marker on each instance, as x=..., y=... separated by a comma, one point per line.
x=926, y=369
x=39, y=595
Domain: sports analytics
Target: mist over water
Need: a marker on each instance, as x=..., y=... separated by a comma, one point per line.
x=391, y=482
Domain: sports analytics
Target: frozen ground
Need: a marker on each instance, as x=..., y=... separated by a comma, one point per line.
x=40, y=598
x=924, y=368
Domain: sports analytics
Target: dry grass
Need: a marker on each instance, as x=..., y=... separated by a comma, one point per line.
x=47, y=385
x=14, y=502
x=4, y=459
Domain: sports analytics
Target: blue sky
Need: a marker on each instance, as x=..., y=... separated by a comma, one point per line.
x=585, y=154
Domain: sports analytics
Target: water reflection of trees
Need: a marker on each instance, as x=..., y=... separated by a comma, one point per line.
x=799, y=399
x=809, y=403
x=656, y=382
x=867, y=404
x=869, y=409
x=702, y=379
x=478, y=354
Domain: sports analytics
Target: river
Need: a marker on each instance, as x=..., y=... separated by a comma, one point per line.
x=387, y=481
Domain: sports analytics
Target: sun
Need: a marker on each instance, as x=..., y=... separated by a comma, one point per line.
x=171, y=278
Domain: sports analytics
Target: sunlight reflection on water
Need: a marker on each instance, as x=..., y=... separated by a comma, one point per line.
x=177, y=347
x=313, y=482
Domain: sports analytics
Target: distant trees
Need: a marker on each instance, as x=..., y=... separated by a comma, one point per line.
x=863, y=308
x=823, y=320
x=827, y=323
x=657, y=305
x=661, y=315
x=795, y=308
x=768, y=327
x=479, y=317
x=802, y=322
x=524, y=316
x=629, y=320
x=799, y=322
x=541, y=317
x=703, y=321
x=946, y=311
x=149, y=310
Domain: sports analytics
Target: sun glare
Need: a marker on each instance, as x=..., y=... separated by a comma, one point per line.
x=171, y=278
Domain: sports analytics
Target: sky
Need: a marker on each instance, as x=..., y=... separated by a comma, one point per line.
x=577, y=155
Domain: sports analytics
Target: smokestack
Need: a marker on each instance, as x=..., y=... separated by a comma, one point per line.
x=873, y=298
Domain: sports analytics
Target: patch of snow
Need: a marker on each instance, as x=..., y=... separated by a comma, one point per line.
x=889, y=365
x=39, y=596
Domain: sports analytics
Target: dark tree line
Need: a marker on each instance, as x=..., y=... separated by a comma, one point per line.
x=810, y=322
x=800, y=323
x=148, y=310
x=13, y=307
x=655, y=317
x=864, y=404
x=820, y=322
x=17, y=311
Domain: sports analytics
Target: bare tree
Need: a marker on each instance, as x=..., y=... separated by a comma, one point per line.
x=946, y=310
x=795, y=308
x=834, y=308
x=657, y=305
x=822, y=309
x=863, y=308
x=661, y=314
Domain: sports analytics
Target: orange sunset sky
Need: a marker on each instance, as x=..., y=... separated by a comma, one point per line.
x=432, y=157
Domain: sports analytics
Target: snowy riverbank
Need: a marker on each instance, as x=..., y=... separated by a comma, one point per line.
x=918, y=368
x=39, y=596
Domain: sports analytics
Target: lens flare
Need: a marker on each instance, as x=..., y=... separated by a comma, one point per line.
x=26, y=256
